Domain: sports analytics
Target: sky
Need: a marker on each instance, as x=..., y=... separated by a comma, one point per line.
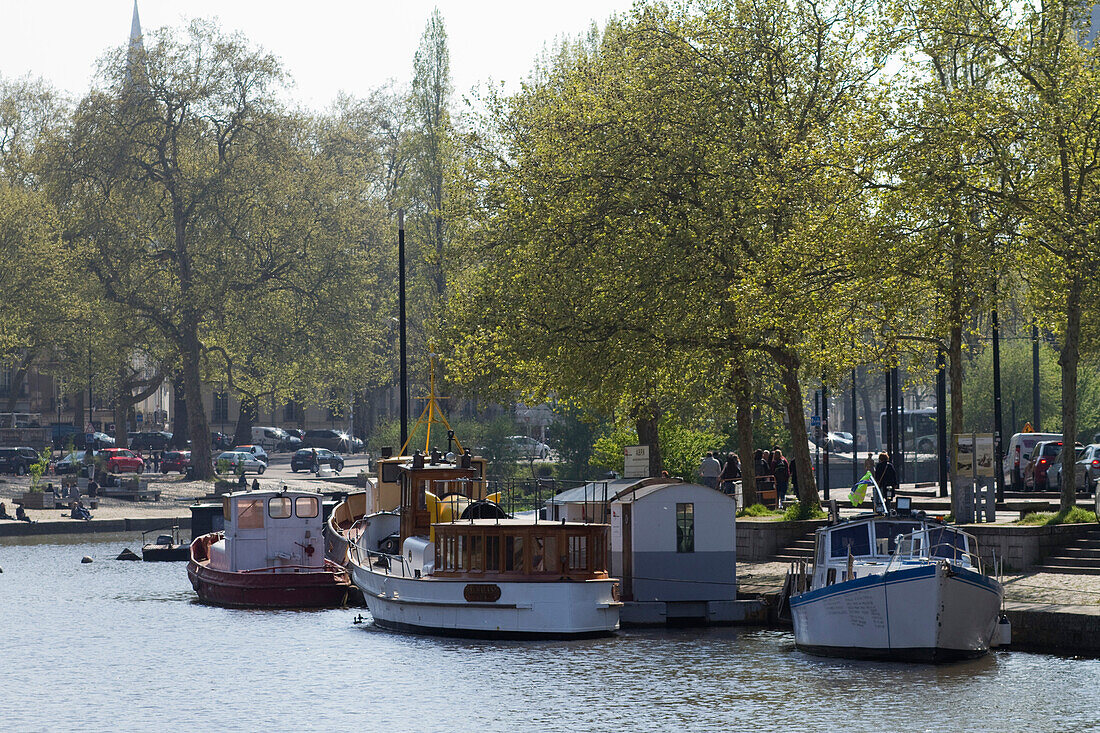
x=328, y=46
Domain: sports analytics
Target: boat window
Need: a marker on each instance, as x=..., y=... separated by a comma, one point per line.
x=887, y=532
x=685, y=528
x=819, y=553
x=945, y=542
x=250, y=513
x=278, y=507
x=460, y=553
x=513, y=554
x=492, y=553
x=306, y=507
x=544, y=554
x=578, y=552
x=477, y=556
x=855, y=538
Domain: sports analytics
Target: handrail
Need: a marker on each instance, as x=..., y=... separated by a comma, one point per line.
x=311, y=568
x=906, y=549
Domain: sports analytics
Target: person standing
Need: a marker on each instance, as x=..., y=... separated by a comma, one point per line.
x=730, y=473
x=709, y=470
x=781, y=469
x=885, y=476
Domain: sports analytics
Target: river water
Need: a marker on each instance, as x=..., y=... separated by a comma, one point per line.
x=124, y=646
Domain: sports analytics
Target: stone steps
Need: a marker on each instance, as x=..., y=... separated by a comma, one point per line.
x=800, y=549
x=1079, y=557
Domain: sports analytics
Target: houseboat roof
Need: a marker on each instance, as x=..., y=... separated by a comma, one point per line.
x=633, y=494
x=597, y=491
x=510, y=522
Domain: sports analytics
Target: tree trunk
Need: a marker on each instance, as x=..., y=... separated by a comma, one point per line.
x=196, y=415
x=179, y=413
x=742, y=397
x=800, y=441
x=246, y=418
x=1068, y=360
x=17, y=378
x=646, y=418
x=955, y=376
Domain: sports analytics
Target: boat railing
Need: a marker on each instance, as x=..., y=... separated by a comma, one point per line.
x=381, y=560
x=914, y=547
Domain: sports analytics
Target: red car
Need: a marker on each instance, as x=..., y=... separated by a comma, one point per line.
x=176, y=460
x=120, y=460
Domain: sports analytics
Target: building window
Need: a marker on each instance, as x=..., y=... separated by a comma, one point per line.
x=291, y=412
x=685, y=528
x=221, y=407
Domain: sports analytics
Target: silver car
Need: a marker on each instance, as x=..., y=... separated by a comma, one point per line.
x=1086, y=472
x=235, y=461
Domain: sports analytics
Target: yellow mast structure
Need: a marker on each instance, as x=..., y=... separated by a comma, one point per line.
x=432, y=414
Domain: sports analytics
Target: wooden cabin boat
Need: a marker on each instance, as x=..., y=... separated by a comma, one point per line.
x=452, y=562
x=891, y=585
x=270, y=554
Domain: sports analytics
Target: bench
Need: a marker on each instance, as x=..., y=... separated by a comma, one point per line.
x=1026, y=507
x=766, y=492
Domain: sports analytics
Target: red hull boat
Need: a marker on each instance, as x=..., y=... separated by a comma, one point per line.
x=275, y=587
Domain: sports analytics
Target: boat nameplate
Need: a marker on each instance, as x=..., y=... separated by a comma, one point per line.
x=481, y=592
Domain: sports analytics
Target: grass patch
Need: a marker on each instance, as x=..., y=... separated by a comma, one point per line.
x=758, y=510
x=795, y=512
x=1073, y=515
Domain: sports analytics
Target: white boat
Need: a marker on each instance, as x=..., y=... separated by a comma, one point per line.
x=890, y=585
x=452, y=562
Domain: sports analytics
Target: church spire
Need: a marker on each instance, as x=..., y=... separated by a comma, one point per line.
x=135, y=58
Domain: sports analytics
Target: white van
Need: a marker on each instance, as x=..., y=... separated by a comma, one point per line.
x=270, y=439
x=1017, y=454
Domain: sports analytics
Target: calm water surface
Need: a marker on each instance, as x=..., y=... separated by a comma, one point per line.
x=125, y=646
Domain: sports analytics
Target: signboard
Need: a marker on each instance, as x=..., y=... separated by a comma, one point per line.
x=974, y=455
x=815, y=421
x=636, y=461
x=139, y=417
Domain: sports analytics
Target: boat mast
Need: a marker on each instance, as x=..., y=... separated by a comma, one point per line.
x=401, y=326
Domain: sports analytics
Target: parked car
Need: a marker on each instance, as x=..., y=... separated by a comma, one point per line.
x=156, y=440
x=1018, y=454
x=334, y=440
x=1042, y=455
x=1085, y=473
x=69, y=463
x=17, y=460
x=220, y=441
x=527, y=448
x=296, y=432
x=839, y=440
x=304, y=460
x=255, y=450
x=357, y=445
x=239, y=461
x=175, y=460
x=98, y=441
x=274, y=439
x=121, y=460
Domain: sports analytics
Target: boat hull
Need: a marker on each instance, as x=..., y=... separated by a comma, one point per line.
x=166, y=553
x=325, y=587
x=523, y=610
x=934, y=612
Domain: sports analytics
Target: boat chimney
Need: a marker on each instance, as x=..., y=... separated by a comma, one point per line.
x=418, y=459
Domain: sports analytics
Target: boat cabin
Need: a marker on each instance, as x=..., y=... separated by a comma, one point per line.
x=451, y=527
x=866, y=545
x=280, y=530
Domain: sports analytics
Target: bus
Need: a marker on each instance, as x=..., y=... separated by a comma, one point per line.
x=919, y=430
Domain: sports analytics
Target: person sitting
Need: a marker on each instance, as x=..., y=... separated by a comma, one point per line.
x=242, y=482
x=79, y=511
x=21, y=514
x=4, y=511
x=255, y=484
